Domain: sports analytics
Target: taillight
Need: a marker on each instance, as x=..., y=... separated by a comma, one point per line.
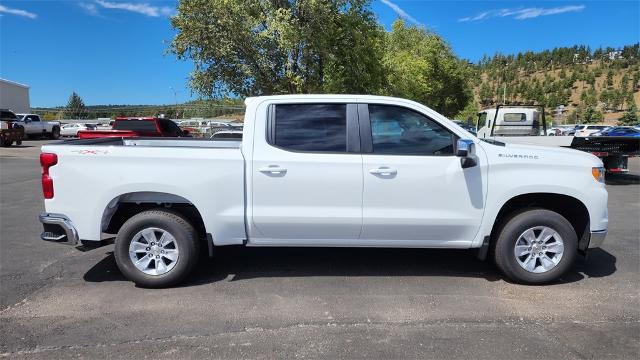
x=47, y=160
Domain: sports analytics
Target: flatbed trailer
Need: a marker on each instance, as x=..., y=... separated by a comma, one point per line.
x=614, y=151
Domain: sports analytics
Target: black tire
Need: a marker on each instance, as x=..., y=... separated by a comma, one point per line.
x=55, y=133
x=186, y=238
x=503, y=251
x=7, y=143
x=19, y=142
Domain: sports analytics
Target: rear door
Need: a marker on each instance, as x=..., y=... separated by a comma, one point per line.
x=415, y=191
x=307, y=175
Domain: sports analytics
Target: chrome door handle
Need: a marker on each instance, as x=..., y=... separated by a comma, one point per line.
x=383, y=170
x=273, y=169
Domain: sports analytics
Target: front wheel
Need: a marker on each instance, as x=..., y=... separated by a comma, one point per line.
x=536, y=247
x=156, y=248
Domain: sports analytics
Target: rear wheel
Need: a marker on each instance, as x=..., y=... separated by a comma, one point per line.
x=7, y=143
x=156, y=248
x=536, y=247
x=55, y=133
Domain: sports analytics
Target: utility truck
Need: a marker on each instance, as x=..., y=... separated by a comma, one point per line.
x=527, y=125
x=325, y=171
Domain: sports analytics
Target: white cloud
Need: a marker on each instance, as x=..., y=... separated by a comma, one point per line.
x=90, y=8
x=403, y=14
x=140, y=8
x=522, y=14
x=6, y=10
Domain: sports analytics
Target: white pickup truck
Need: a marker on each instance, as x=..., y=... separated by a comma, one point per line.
x=328, y=171
x=34, y=126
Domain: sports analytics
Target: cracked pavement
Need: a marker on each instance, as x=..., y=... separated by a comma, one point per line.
x=59, y=302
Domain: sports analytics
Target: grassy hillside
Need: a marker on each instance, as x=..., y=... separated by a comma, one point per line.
x=593, y=86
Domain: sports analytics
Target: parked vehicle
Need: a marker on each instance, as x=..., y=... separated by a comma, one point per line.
x=586, y=130
x=554, y=132
x=135, y=127
x=525, y=124
x=618, y=131
x=10, y=130
x=34, y=126
x=469, y=127
x=326, y=170
x=71, y=130
x=227, y=135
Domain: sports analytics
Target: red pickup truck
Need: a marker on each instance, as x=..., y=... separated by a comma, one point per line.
x=135, y=127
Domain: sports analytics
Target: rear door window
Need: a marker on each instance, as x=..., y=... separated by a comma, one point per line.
x=311, y=127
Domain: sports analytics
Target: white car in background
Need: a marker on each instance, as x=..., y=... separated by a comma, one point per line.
x=586, y=130
x=71, y=130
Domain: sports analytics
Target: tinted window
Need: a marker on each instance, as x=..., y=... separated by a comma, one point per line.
x=514, y=117
x=170, y=128
x=135, y=125
x=311, y=127
x=8, y=116
x=482, y=118
x=401, y=131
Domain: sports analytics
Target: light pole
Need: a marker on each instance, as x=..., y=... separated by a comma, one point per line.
x=175, y=99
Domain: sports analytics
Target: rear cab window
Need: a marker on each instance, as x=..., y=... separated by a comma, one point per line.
x=136, y=125
x=310, y=127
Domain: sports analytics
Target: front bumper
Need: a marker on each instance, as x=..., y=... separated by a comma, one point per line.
x=59, y=229
x=597, y=238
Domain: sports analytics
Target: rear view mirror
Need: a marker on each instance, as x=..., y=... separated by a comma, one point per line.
x=465, y=150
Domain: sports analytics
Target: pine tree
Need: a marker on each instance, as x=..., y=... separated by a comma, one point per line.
x=75, y=107
x=630, y=117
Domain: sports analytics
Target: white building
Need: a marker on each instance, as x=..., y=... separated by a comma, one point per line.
x=14, y=96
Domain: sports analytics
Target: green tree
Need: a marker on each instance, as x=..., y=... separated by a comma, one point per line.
x=251, y=48
x=422, y=67
x=592, y=115
x=609, y=79
x=75, y=108
x=630, y=117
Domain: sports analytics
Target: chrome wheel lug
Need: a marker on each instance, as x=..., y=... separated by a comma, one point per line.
x=150, y=255
x=148, y=249
x=157, y=256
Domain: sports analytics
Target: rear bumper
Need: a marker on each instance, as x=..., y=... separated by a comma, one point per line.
x=597, y=238
x=58, y=229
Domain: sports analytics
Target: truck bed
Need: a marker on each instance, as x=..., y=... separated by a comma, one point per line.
x=154, y=142
x=102, y=172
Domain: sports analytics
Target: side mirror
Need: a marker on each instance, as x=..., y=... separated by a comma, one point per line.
x=465, y=150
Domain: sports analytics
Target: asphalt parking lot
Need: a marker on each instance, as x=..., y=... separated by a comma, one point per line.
x=57, y=301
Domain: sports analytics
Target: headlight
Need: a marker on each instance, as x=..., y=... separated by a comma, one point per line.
x=598, y=174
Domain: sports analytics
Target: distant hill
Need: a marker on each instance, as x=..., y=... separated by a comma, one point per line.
x=593, y=86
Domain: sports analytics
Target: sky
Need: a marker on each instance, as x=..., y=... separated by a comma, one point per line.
x=115, y=51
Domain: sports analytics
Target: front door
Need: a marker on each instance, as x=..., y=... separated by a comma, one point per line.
x=415, y=190
x=307, y=176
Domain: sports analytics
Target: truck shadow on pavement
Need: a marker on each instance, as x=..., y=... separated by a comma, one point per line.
x=622, y=179
x=240, y=263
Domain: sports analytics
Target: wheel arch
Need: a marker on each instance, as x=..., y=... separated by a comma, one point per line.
x=571, y=208
x=124, y=206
